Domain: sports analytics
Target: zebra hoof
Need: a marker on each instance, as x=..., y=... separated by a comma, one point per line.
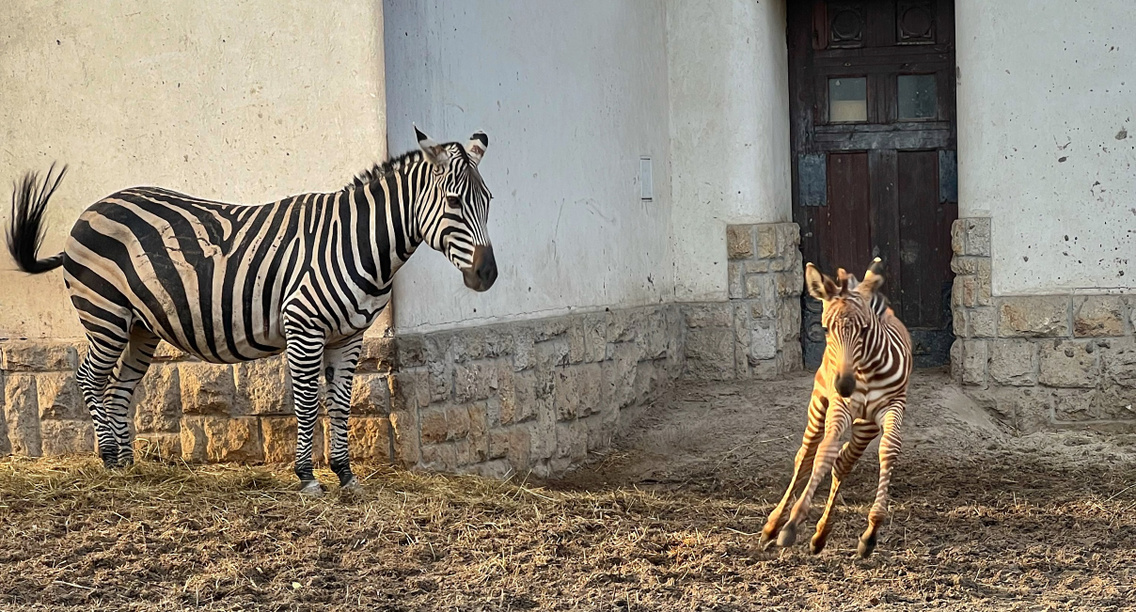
x=788, y=536
x=352, y=484
x=866, y=546
x=766, y=541
x=817, y=545
x=311, y=488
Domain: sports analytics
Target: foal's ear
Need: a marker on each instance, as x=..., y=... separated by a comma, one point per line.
x=435, y=153
x=874, y=277
x=819, y=285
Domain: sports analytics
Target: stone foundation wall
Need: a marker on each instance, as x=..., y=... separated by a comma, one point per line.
x=756, y=333
x=1040, y=361
x=528, y=395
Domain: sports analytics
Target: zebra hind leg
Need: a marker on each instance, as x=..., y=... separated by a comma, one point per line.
x=92, y=376
x=129, y=370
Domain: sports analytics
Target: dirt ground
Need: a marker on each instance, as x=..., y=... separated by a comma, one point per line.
x=982, y=519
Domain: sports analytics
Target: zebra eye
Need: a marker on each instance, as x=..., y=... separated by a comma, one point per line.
x=453, y=201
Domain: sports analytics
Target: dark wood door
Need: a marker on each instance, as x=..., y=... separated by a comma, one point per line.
x=872, y=102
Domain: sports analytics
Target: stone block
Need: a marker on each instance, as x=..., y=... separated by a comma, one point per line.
x=279, y=433
x=595, y=336
x=410, y=389
x=789, y=321
x=958, y=237
x=956, y=359
x=762, y=340
x=369, y=438
x=440, y=380
x=974, y=358
x=157, y=400
x=619, y=375
x=1069, y=363
x=163, y=445
x=1118, y=362
x=1098, y=315
x=739, y=241
x=623, y=324
x=551, y=353
x=206, y=388
x=981, y=322
x=718, y=314
x=598, y=435
x=735, y=280
x=21, y=415
x=489, y=342
x=261, y=386
x=1033, y=317
x=571, y=441
x=789, y=284
x=525, y=394
x=577, y=390
x=710, y=354
x=370, y=395
x=404, y=425
x=59, y=397
x=966, y=266
x=194, y=441
x=514, y=444
x=767, y=241
x=444, y=423
x=411, y=351
x=379, y=354
x=959, y=316
x=977, y=236
x=5, y=445
x=38, y=356
x=477, y=380
x=788, y=238
x=478, y=432
x=67, y=437
x=440, y=457
x=167, y=352
x=792, y=357
x=233, y=439
x=1014, y=362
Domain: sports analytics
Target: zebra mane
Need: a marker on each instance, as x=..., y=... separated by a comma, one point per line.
x=382, y=169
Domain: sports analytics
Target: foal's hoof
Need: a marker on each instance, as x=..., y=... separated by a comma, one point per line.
x=311, y=488
x=866, y=546
x=788, y=535
x=816, y=545
x=766, y=541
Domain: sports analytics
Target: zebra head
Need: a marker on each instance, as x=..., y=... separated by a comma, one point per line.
x=847, y=317
x=456, y=208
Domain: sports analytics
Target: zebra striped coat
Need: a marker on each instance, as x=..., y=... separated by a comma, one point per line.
x=305, y=275
x=862, y=385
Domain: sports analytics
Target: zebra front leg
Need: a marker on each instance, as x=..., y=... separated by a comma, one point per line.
x=340, y=361
x=129, y=370
x=889, y=420
x=835, y=422
x=305, y=356
x=802, y=464
x=863, y=432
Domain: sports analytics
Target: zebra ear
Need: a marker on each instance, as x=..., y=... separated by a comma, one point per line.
x=847, y=281
x=476, y=147
x=874, y=277
x=820, y=286
x=435, y=153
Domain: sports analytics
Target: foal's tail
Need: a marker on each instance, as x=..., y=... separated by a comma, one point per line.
x=25, y=228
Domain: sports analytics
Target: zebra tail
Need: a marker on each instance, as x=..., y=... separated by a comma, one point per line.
x=25, y=228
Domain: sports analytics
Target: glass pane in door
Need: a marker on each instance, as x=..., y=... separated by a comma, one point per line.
x=847, y=99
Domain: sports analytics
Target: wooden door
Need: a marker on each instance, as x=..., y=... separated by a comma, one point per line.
x=872, y=103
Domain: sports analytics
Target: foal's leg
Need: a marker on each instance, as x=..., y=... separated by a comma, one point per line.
x=802, y=464
x=889, y=419
x=835, y=422
x=863, y=432
x=339, y=367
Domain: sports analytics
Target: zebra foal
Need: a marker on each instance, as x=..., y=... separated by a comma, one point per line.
x=304, y=276
x=862, y=385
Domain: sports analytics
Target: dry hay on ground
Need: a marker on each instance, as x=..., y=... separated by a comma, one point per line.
x=982, y=520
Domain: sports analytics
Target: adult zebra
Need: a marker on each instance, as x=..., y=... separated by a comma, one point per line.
x=305, y=275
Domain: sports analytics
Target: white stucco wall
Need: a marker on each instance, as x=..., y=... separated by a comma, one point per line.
x=1047, y=140
x=571, y=95
x=247, y=102
x=730, y=157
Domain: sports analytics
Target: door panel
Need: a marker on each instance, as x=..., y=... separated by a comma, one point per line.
x=873, y=129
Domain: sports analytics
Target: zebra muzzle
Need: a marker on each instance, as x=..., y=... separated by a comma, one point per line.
x=481, y=275
x=845, y=384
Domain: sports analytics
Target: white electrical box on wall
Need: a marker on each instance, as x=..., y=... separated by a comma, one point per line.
x=646, y=181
